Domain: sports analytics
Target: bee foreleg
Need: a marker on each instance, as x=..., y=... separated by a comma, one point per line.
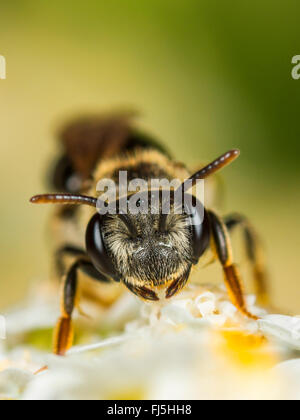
x=63, y=336
x=224, y=253
x=61, y=253
x=254, y=254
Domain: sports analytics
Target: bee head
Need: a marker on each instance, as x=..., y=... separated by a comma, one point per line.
x=151, y=252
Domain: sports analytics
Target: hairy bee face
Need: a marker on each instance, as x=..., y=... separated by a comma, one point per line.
x=150, y=252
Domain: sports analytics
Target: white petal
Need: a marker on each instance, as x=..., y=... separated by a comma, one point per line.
x=284, y=328
x=290, y=370
x=206, y=304
x=13, y=382
x=35, y=316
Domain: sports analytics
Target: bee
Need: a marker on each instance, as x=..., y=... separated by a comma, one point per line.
x=152, y=255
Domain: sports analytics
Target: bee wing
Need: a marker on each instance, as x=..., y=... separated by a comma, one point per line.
x=90, y=138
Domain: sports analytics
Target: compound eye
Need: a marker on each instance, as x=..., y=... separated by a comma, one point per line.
x=199, y=225
x=96, y=248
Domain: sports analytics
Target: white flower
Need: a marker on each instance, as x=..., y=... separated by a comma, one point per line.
x=197, y=346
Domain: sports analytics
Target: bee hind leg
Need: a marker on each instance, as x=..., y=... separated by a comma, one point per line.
x=223, y=249
x=254, y=254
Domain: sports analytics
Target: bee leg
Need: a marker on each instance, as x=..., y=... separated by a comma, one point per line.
x=254, y=254
x=63, y=336
x=224, y=252
x=61, y=253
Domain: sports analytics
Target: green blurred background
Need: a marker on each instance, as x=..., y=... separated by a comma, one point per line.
x=207, y=75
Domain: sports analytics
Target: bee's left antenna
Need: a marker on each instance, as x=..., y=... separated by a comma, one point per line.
x=64, y=199
x=212, y=168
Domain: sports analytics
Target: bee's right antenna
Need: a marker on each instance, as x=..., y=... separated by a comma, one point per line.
x=64, y=199
x=213, y=167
